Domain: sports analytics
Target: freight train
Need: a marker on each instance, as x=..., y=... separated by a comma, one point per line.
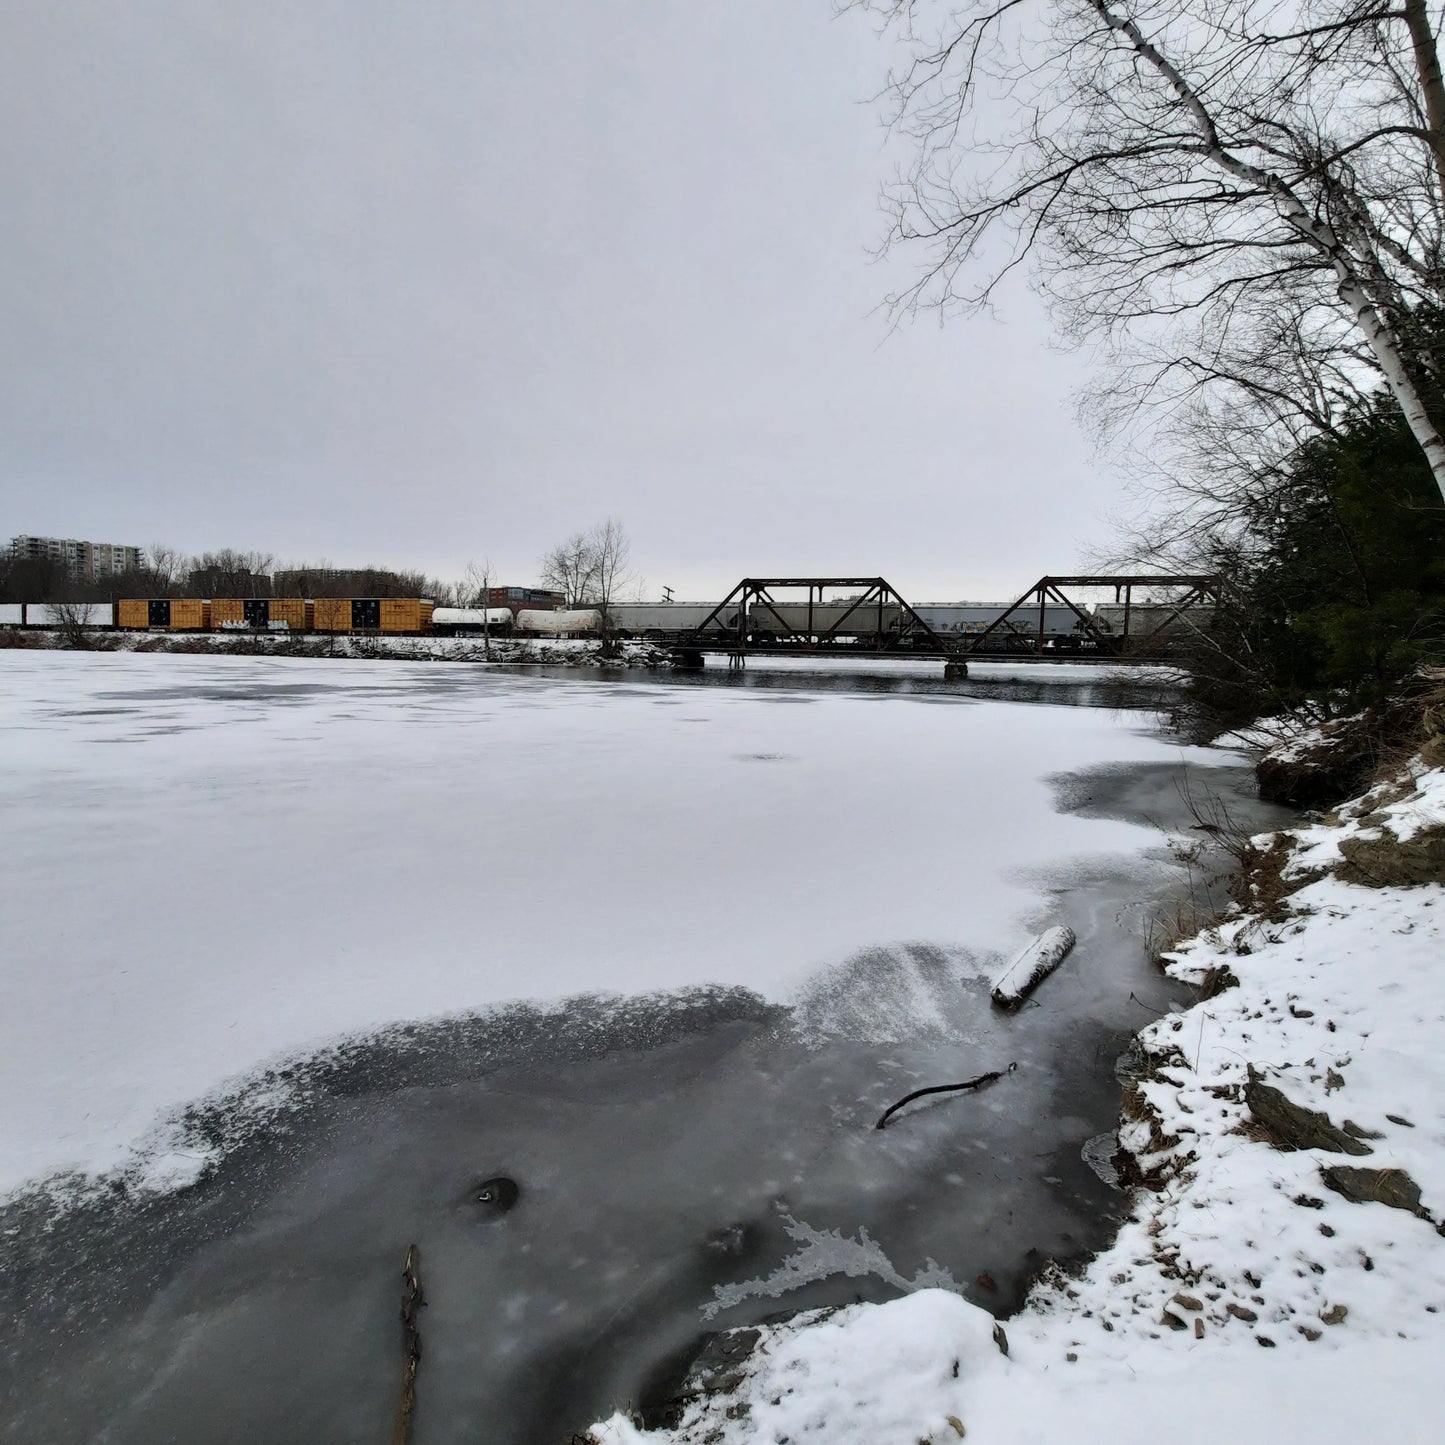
x=1059, y=629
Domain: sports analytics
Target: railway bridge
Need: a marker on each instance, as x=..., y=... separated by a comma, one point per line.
x=1151, y=617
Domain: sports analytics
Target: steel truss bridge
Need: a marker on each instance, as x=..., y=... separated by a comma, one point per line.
x=875, y=620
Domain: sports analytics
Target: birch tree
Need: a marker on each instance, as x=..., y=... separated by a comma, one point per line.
x=1181, y=173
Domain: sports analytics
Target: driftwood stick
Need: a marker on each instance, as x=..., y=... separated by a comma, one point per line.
x=411, y=1303
x=977, y=1083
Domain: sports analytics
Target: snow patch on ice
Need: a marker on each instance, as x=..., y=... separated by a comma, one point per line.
x=889, y=995
x=827, y=1252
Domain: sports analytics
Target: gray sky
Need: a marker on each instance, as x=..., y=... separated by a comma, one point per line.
x=418, y=282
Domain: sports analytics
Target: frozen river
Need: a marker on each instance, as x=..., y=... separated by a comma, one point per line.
x=294, y=955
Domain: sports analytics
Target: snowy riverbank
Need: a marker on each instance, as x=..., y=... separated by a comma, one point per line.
x=1251, y=1295
x=547, y=651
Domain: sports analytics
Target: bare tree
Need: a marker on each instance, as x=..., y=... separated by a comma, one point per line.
x=571, y=569
x=612, y=557
x=72, y=619
x=167, y=567
x=591, y=568
x=229, y=573
x=475, y=590
x=1182, y=171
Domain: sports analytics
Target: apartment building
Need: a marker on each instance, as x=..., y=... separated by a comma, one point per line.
x=83, y=561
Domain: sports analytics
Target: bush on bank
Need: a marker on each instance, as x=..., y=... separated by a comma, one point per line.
x=1334, y=571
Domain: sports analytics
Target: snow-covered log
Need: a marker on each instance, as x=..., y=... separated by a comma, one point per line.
x=1034, y=964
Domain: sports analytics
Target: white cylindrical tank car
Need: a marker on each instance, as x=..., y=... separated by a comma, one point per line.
x=580, y=622
x=471, y=621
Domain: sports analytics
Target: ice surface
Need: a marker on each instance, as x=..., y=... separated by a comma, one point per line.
x=211, y=861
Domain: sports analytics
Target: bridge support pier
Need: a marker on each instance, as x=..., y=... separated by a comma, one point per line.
x=955, y=671
x=687, y=659
x=737, y=661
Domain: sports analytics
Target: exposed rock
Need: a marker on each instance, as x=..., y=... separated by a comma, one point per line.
x=717, y=1367
x=1359, y=1131
x=1387, y=862
x=1295, y=1126
x=1241, y=1312
x=1375, y=1186
x=1335, y=1315
x=1216, y=981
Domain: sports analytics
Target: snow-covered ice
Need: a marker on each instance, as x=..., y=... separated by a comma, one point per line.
x=210, y=861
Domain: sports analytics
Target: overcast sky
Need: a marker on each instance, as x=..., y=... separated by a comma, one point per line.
x=420, y=282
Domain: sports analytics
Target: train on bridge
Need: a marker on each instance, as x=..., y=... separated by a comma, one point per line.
x=761, y=625
x=891, y=626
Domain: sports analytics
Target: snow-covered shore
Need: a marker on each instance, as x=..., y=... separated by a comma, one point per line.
x=548, y=651
x=1250, y=1295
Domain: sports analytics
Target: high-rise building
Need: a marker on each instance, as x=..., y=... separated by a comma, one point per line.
x=83, y=561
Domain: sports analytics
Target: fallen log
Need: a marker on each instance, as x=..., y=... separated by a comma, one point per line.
x=977, y=1083
x=411, y=1303
x=1034, y=964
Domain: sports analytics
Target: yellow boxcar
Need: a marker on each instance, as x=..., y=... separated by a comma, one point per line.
x=406, y=614
x=190, y=614
x=133, y=612
x=227, y=609
x=332, y=614
x=295, y=612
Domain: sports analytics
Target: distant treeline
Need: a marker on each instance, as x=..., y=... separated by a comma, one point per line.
x=165, y=572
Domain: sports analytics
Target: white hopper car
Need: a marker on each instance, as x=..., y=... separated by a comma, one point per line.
x=654, y=620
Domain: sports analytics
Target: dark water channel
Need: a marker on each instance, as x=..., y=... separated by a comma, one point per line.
x=1090, y=685
x=685, y=1163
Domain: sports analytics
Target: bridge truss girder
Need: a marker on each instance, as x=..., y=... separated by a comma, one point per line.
x=913, y=638
x=1197, y=590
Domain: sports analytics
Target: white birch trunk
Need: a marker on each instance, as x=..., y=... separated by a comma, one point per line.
x=1349, y=284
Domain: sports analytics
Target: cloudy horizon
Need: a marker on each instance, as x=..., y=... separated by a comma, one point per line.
x=418, y=285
